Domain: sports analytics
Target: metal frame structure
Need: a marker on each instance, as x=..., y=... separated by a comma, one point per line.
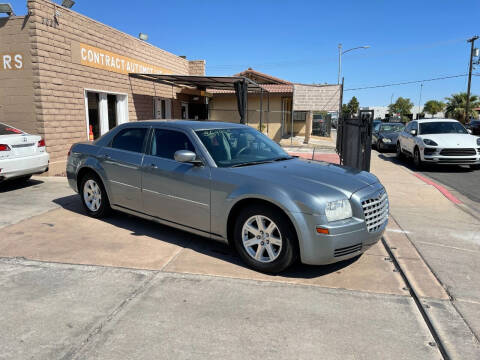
x=212, y=82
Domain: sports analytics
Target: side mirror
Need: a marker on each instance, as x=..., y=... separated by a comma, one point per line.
x=469, y=131
x=187, y=156
x=413, y=132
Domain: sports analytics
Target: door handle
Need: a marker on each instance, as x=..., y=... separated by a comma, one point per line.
x=106, y=156
x=153, y=166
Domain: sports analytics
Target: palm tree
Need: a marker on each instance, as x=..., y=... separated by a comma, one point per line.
x=456, y=105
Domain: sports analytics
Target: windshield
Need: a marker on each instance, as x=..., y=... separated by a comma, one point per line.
x=240, y=146
x=442, y=127
x=8, y=130
x=391, y=127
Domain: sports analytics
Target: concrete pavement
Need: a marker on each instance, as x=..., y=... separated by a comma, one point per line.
x=74, y=287
x=448, y=240
x=57, y=311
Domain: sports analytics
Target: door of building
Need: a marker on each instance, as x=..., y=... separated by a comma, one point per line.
x=162, y=108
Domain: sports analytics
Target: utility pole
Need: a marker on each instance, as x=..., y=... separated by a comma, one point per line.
x=420, y=100
x=467, y=107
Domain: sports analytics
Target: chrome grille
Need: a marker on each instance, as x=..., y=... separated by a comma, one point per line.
x=375, y=211
x=457, y=152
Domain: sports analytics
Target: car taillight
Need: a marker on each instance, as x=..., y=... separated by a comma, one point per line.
x=4, y=147
x=70, y=150
x=41, y=143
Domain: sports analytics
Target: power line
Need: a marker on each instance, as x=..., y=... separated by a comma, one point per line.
x=409, y=82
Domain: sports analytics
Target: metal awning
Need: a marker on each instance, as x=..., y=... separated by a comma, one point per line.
x=201, y=82
x=240, y=84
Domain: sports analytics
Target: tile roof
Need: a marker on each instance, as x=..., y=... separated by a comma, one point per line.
x=268, y=78
x=271, y=88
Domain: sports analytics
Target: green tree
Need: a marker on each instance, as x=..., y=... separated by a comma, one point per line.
x=353, y=106
x=345, y=110
x=433, y=107
x=402, y=106
x=457, y=103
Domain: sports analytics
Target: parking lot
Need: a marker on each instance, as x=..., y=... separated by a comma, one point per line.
x=91, y=288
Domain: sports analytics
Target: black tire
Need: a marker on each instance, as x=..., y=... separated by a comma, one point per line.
x=399, y=151
x=379, y=146
x=288, y=252
x=23, y=178
x=104, y=207
x=417, y=160
x=475, y=166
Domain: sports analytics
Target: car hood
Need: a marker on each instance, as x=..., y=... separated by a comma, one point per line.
x=452, y=140
x=310, y=176
x=389, y=135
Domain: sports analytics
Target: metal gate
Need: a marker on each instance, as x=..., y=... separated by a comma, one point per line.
x=354, y=140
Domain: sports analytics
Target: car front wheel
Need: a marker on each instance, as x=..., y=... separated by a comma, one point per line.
x=94, y=197
x=417, y=160
x=265, y=239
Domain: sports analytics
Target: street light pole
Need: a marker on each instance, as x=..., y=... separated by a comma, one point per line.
x=340, y=53
x=467, y=106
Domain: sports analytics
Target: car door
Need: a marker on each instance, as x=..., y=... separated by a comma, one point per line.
x=171, y=190
x=407, y=138
x=375, y=132
x=122, y=161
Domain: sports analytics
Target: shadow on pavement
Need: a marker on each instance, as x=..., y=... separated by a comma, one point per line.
x=12, y=185
x=141, y=227
x=426, y=168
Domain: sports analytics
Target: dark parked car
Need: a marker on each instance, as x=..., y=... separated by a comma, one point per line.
x=384, y=136
x=474, y=126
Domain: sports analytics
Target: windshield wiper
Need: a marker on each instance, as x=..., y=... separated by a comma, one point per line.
x=283, y=158
x=252, y=163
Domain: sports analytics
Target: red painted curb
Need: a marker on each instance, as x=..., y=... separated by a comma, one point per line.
x=440, y=188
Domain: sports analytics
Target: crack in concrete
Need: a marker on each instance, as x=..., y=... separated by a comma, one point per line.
x=75, y=351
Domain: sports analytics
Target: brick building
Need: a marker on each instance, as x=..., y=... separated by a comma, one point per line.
x=66, y=77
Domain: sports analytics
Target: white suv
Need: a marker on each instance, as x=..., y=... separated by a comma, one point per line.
x=439, y=141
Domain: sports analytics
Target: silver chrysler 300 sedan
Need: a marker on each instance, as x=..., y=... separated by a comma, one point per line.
x=231, y=183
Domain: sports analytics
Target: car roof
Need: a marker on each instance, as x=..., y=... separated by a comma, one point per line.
x=190, y=124
x=435, y=120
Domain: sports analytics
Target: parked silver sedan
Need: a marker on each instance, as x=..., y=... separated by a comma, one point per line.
x=231, y=183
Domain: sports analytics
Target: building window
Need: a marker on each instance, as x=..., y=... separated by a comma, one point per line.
x=162, y=108
x=299, y=116
x=104, y=111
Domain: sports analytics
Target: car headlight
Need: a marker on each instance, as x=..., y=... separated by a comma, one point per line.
x=386, y=140
x=429, y=142
x=338, y=210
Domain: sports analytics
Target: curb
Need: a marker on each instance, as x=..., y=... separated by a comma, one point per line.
x=440, y=188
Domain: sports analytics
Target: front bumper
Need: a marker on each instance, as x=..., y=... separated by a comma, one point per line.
x=346, y=239
x=12, y=168
x=432, y=155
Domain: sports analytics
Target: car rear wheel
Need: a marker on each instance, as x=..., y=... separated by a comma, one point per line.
x=265, y=239
x=94, y=197
x=399, y=150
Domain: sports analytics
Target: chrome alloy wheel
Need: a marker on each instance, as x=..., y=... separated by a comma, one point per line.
x=262, y=238
x=92, y=195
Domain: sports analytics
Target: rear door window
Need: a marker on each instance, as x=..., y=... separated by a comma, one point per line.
x=130, y=139
x=166, y=142
x=8, y=130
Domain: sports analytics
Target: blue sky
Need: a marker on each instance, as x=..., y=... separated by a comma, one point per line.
x=297, y=40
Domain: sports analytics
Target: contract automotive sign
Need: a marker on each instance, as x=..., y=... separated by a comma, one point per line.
x=11, y=61
x=102, y=59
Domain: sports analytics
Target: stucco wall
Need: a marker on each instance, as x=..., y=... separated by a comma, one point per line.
x=223, y=107
x=16, y=78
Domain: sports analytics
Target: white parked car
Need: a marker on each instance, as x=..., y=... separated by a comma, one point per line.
x=439, y=141
x=21, y=154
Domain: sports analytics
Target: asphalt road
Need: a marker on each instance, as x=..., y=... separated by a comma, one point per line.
x=460, y=178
